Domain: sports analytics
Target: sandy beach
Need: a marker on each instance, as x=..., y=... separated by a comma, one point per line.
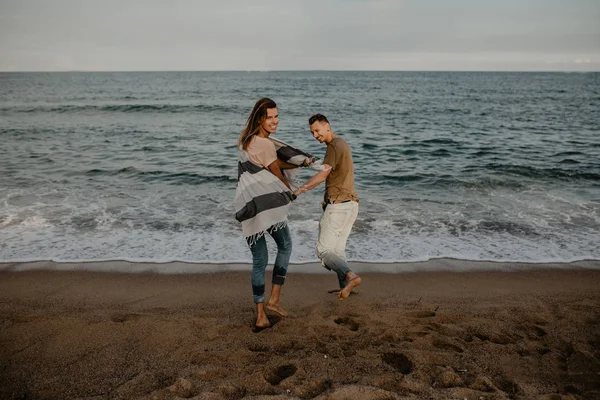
x=520, y=333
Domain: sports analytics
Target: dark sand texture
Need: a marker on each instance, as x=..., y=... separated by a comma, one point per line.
x=432, y=335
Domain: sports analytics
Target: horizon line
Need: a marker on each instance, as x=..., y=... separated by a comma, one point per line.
x=306, y=70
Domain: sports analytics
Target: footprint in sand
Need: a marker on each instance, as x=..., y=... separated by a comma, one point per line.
x=348, y=349
x=258, y=348
x=418, y=334
x=313, y=389
x=348, y=323
x=398, y=361
x=421, y=314
x=443, y=345
x=539, y=331
x=278, y=374
x=496, y=338
x=122, y=317
x=24, y=319
x=543, y=350
x=425, y=330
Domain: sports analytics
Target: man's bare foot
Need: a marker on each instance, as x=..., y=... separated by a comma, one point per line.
x=353, y=282
x=276, y=308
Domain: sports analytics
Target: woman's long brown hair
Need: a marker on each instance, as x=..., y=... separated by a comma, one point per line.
x=257, y=117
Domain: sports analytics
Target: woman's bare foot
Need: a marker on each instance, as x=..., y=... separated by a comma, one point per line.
x=353, y=281
x=273, y=303
x=262, y=322
x=277, y=309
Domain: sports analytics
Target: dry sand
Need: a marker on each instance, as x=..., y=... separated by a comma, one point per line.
x=524, y=334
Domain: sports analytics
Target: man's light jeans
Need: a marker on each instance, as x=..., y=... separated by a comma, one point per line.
x=334, y=229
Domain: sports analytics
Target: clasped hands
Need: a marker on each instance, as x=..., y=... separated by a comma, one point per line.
x=303, y=188
x=307, y=162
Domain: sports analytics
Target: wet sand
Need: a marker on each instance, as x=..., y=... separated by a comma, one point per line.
x=530, y=333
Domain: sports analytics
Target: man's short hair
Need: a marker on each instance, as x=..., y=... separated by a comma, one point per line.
x=317, y=117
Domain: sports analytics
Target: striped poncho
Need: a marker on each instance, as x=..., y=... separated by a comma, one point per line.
x=261, y=199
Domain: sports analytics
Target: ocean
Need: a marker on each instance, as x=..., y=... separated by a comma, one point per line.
x=142, y=166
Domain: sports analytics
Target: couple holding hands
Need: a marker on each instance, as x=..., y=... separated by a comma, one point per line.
x=264, y=194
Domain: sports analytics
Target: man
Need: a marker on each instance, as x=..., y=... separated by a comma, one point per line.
x=340, y=206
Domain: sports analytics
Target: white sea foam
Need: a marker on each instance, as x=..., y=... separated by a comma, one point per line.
x=35, y=222
x=382, y=244
x=6, y=220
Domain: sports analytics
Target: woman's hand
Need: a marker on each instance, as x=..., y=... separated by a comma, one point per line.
x=307, y=162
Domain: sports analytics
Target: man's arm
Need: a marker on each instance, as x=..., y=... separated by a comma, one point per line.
x=315, y=181
x=287, y=165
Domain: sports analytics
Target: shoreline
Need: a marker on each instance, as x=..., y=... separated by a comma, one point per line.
x=182, y=267
x=527, y=334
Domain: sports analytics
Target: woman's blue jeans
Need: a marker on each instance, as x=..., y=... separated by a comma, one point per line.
x=260, y=259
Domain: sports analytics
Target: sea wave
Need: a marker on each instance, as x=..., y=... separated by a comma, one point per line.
x=122, y=108
x=448, y=181
x=537, y=172
x=175, y=178
x=169, y=265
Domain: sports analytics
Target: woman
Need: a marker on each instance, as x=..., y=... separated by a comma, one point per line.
x=262, y=200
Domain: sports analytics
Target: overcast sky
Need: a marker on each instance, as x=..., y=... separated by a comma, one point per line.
x=139, y=35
